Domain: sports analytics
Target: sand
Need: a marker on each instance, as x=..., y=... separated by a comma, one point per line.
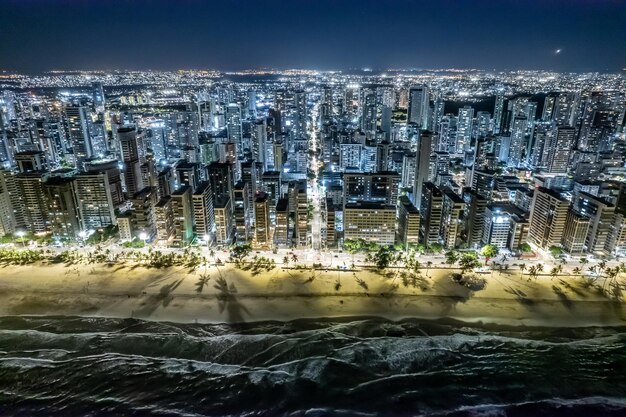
x=229, y=294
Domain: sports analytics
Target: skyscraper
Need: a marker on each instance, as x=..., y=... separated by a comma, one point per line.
x=418, y=106
x=422, y=165
x=464, y=129
x=560, y=149
x=129, y=147
x=77, y=119
x=547, y=219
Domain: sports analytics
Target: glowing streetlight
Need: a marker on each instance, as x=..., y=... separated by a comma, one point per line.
x=143, y=236
x=21, y=234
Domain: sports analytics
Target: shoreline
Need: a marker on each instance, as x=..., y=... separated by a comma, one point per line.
x=226, y=294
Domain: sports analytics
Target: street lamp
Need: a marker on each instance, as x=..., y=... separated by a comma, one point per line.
x=21, y=234
x=83, y=235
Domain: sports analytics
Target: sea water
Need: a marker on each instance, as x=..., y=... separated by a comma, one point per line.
x=78, y=366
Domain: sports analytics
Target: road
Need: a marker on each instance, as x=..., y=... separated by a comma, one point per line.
x=313, y=189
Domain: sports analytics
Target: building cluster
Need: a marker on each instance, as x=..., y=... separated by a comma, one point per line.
x=315, y=159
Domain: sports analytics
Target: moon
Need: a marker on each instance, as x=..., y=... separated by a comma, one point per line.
x=557, y=51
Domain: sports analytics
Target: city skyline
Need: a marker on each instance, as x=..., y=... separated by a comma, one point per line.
x=73, y=35
x=313, y=208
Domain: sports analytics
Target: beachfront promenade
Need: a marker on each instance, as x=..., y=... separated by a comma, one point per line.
x=262, y=287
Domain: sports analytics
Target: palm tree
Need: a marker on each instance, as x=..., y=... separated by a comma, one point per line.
x=577, y=271
x=584, y=261
x=522, y=267
x=428, y=265
x=286, y=260
x=554, y=272
x=294, y=258
x=533, y=271
x=539, y=267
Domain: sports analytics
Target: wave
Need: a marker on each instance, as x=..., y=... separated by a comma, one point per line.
x=351, y=366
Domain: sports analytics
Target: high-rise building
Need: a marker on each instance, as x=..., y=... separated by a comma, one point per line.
x=372, y=222
x=548, y=215
x=408, y=222
x=518, y=142
x=600, y=214
x=380, y=186
x=221, y=177
x=98, y=97
x=223, y=220
x=575, y=233
x=422, y=165
x=33, y=199
x=10, y=207
x=77, y=119
x=203, y=215
x=234, y=126
x=453, y=211
x=475, y=206
x=242, y=210
x=560, y=149
x=431, y=212
x=281, y=230
x=164, y=221
x=262, y=229
x=464, y=128
x=418, y=106
x=497, y=113
x=131, y=158
x=183, y=216
x=63, y=207
x=96, y=206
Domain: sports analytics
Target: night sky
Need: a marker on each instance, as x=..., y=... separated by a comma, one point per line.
x=37, y=35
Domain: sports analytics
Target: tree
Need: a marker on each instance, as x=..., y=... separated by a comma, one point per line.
x=533, y=272
x=539, y=267
x=576, y=271
x=489, y=251
x=452, y=257
x=383, y=258
x=525, y=248
x=522, y=267
x=468, y=262
x=584, y=261
x=351, y=246
x=239, y=252
x=294, y=258
x=556, y=251
x=286, y=260
x=436, y=247
x=554, y=272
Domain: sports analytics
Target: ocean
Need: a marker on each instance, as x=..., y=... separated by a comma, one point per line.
x=79, y=366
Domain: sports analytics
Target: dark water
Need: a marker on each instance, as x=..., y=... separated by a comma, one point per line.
x=64, y=366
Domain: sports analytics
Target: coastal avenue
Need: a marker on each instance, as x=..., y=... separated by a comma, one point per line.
x=313, y=190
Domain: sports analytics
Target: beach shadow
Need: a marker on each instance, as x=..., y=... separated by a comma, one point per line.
x=202, y=282
x=572, y=288
x=451, y=291
x=227, y=301
x=520, y=296
x=562, y=297
x=163, y=298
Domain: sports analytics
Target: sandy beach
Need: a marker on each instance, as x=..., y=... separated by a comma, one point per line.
x=229, y=294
